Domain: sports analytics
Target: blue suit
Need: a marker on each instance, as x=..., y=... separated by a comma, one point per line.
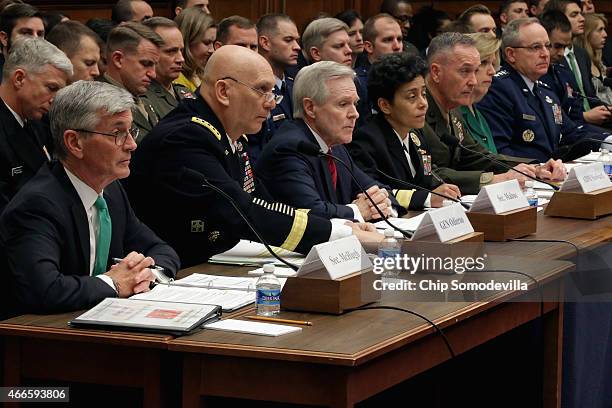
x=530, y=124
x=280, y=114
x=304, y=181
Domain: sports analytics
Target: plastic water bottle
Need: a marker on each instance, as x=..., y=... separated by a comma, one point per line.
x=390, y=248
x=530, y=193
x=606, y=160
x=268, y=289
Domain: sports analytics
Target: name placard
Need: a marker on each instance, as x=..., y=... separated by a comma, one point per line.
x=447, y=222
x=587, y=178
x=338, y=258
x=502, y=197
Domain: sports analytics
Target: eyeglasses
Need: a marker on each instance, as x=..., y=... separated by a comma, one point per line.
x=268, y=96
x=120, y=136
x=536, y=48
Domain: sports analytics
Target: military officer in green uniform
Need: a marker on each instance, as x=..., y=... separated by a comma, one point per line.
x=163, y=95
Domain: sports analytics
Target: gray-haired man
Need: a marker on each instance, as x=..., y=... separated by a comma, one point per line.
x=63, y=229
x=34, y=71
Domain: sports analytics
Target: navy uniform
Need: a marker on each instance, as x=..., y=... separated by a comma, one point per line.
x=196, y=221
x=163, y=101
x=281, y=113
x=376, y=146
x=530, y=124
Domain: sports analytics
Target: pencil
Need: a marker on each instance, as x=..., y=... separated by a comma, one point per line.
x=274, y=319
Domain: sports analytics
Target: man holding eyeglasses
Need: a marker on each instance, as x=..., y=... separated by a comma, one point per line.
x=206, y=135
x=64, y=229
x=524, y=114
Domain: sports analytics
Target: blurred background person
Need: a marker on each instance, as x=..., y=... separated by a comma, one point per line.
x=81, y=45
x=427, y=24
x=185, y=4
x=593, y=41
x=355, y=23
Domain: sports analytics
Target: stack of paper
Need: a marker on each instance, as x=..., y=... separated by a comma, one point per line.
x=249, y=253
x=406, y=224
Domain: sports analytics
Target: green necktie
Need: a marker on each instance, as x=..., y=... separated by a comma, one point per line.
x=105, y=229
x=574, y=67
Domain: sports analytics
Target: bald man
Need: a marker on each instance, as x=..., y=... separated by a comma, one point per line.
x=206, y=135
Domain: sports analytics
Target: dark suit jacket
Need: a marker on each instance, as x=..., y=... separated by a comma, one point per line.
x=21, y=152
x=304, y=181
x=45, y=236
x=584, y=65
x=375, y=146
x=197, y=221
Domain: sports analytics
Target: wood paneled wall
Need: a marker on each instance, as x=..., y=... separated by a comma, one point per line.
x=302, y=11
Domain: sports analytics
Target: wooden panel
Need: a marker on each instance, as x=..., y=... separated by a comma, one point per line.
x=250, y=9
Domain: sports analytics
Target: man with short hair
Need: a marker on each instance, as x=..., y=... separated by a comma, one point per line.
x=478, y=19
x=327, y=39
x=510, y=10
x=325, y=101
x=131, y=10
x=525, y=115
x=453, y=61
x=401, y=11
x=236, y=30
x=279, y=45
x=81, y=46
x=206, y=135
x=132, y=54
x=536, y=7
x=35, y=71
x=64, y=229
x=183, y=4
x=163, y=94
x=18, y=20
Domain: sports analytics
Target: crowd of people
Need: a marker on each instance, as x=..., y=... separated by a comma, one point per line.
x=116, y=136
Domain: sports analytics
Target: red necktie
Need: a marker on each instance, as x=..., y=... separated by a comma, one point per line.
x=331, y=164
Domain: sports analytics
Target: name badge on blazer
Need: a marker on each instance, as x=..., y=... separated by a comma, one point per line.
x=529, y=117
x=15, y=171
x=278, y=117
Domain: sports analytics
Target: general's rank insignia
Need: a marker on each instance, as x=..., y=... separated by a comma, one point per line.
x=197, y=226
x=528, y=135
x=548, y=99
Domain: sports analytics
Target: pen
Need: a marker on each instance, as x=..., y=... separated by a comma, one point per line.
x=157, y=268
x=274, y=319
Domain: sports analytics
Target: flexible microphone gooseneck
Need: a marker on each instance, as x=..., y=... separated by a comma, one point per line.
x=198, y=178
x=409, y=184
x=454, y=142
x=311, y=149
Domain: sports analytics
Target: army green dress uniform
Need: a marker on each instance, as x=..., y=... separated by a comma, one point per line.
x=163, y=101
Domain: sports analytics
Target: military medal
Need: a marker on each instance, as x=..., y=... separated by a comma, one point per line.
x=557, y=114
x=426, y=162
x=459, y=126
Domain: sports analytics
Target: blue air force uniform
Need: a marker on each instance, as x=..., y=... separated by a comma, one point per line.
x=196, y=220
x=530, y=124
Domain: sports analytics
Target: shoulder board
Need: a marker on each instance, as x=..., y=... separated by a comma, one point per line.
x=501, y=74
x=207, y=125
x=543, y=84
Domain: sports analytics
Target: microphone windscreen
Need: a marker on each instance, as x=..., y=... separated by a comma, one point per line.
x=309, y=149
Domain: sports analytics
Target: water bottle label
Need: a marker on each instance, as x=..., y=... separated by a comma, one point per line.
x=533, y=202
x=388, y=253
x=268, y=297
x=608, y=169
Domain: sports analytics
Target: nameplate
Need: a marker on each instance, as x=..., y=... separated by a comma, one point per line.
x=446, y=222
x=502, y=197
x=338, y=258
x=587, y=178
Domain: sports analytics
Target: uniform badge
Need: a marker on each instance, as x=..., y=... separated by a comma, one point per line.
x=528, y=135
x=197, y=226
x=213, y=236
x=415, y=139
x=557, y=114
x=548, y=99
x=15, y=171
x=529, y=117
x=278, y=117
x=459, y=127
x=426, y=164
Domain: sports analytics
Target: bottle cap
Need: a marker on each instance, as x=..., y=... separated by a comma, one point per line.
x=389, y=233
x=529, y=183
x=268, y=268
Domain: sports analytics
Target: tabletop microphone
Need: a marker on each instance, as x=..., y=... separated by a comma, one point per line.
x=198, y=178
x=409, y=184
x=454, y=142
x=311, y=149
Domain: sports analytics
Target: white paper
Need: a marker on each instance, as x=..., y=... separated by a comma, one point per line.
x=253, y=254
x=278, y=272
x=591, y=157
x=227, y=299
x=218, y=282
x=406, y=224
x=248, y=327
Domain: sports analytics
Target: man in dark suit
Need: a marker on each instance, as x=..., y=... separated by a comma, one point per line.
x=205, y=134
x=62, y=231
x=36, y=70
x=392, y=140
x=325, y=113
x=132, y=54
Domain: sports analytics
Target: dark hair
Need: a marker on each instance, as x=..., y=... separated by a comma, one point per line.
x=127, y=37
x=555, y=19
x=12, y=13
x=51, y=19
x=390, y=72
x=560, y=5
x=101, y=27
x=6, y=3
x=122, y=11
x=390, y=6
x=425, y=26
x=465, y=17
x=67, y=36
x=505, y=5
x=224, y=26
x=348, y=17
x=268, y=24
x=156, y=22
